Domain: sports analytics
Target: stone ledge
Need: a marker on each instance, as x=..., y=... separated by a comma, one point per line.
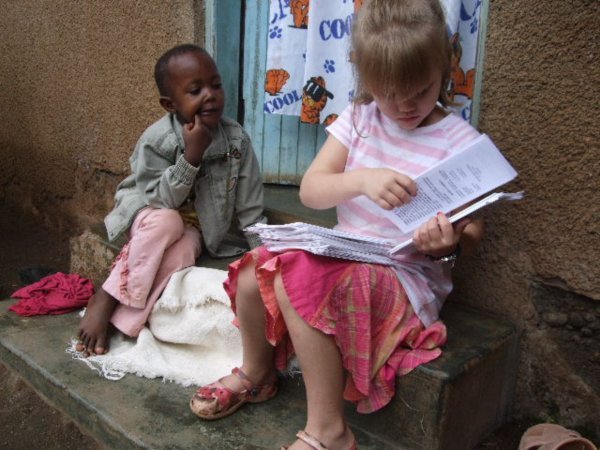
x=451, y=403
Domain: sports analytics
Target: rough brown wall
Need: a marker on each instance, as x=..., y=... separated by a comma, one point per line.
x=539, y=262
x=77, y=91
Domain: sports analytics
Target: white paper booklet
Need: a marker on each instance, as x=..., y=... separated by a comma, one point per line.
x=343, y=245
x=486, y=201
x=324, y=241
x=454, y=182
x=471, y=173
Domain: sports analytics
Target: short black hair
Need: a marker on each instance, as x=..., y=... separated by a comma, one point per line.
x=161, y=69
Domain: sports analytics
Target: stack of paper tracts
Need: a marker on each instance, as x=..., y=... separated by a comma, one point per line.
x=453, y=183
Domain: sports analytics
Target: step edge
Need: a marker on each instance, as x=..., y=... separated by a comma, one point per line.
x=58, y=395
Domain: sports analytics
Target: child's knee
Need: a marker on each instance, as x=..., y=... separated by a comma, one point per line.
x=165, y=222
x=247, y=285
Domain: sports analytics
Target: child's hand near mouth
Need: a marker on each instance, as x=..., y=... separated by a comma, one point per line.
x=197, y=137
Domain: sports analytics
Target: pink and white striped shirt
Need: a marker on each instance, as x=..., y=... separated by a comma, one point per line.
x=375, y=141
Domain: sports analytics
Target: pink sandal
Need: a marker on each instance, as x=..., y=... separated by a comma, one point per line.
x=217, y=400
x=549, y=436
x=313, y=442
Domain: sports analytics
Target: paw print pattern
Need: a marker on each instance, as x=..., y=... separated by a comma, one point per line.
x=275, y=32
x=474, y=25
x=465, y=16
x=329, y=66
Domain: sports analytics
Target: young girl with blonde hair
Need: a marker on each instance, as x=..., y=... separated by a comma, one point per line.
x=355, y=326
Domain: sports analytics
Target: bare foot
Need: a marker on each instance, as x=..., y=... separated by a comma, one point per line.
x=94, y=328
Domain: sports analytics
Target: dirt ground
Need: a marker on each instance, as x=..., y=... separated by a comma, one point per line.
x=26, y=421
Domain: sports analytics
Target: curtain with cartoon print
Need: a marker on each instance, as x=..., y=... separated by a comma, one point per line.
x=308, y=73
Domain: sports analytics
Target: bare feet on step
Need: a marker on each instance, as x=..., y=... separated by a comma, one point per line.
x=95, y=328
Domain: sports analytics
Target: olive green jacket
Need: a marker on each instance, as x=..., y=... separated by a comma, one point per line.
x=227, y=186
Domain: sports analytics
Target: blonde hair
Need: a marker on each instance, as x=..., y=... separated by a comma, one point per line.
x=397, y=45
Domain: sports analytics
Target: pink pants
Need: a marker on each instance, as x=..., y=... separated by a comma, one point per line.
x=159, y=245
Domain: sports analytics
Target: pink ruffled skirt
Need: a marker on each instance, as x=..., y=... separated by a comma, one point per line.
x=362, y=306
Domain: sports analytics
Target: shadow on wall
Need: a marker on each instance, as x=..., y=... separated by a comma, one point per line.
x=570, y=323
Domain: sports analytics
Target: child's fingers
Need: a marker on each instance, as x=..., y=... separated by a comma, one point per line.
x=434, y=228
x=407, y=184
x=445, y=226
x=396, y=196
x=400, y=190
x=460, y=226
x=427, y=233
x=196, y=123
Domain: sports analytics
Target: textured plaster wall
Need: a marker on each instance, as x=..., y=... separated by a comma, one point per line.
x=77, y=91
x=539, y=262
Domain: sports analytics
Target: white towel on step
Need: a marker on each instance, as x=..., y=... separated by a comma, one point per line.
x=189, y=340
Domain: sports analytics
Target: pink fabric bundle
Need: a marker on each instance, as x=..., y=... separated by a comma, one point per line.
x=58, y=293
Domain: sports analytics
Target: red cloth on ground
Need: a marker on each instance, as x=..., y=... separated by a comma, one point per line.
x=58, y=293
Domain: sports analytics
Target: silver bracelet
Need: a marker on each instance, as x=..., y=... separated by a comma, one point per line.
x=449, y=258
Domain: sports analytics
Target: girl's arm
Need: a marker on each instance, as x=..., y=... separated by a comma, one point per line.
x=326, y=184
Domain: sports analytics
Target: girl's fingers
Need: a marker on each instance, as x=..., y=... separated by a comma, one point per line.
x=460, y=226
x=434, y=229
x=445, y=226
x=399, y=194
x=407, y=185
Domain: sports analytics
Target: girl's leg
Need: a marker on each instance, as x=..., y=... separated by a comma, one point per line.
x=323, y=375
x=257, y=362
x=257, y=369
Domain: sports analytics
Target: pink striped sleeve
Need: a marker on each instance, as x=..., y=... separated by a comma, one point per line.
x=341, y=129
x=460, y=133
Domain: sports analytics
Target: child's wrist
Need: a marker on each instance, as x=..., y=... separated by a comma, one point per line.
x=192, y=156
x=450, y=257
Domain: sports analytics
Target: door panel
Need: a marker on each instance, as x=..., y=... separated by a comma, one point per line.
x=223, y=19
x=284, y=146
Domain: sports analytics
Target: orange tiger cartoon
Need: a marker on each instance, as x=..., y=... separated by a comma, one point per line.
x=299, y=10
x=314, y=99
x=357, y=5
x=275, y=79
x=463, y=83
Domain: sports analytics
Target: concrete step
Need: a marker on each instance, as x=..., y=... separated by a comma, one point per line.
x=140, y=413
x=451, y=403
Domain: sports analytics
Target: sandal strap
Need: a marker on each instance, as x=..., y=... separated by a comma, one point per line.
x=310, y=440
x=245, y=380
x=219, y=390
